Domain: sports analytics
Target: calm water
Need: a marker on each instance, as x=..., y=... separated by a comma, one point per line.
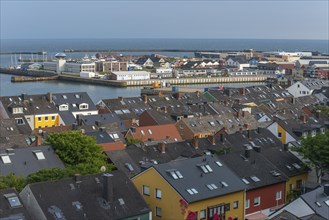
x=96, y=92
x=100, y=92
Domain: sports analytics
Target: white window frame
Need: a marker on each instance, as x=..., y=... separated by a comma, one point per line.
x=202, y=214
x=278, y=195
x=255, y=199
x=247, y=204
x=158, y=193
x=146, y=190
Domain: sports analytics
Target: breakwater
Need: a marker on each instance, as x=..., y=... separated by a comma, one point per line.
x=32, y=79
x=171, y=81
x=31, y=73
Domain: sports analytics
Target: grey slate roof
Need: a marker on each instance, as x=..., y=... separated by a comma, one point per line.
x=194, y=177
x=102, y=137
x=24, y=160
x=73, y=98
x=88, y=193
x=7, y=212
x=319, y=196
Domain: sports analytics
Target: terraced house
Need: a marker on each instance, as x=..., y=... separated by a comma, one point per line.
x=195, y=188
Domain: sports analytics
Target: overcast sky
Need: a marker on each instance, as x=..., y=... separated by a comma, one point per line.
x=261, y=19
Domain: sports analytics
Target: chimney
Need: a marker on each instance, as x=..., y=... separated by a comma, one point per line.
x=24, y=97
x=242, y=91
x=162, y=147
x=74, y=126
x=222, y=137
x=197, y=93
x=50, y=97
x=247, y=151
x=285, y=147
x=249, y=134
x=195, y=142
x=284, y=111
x=304, y=118
x=225, y=102
x=257, y=149
x=258, y=130
x=326, y=189
x=38, y=140
x=77, y=178
x=317, y=114
x=164, y=108
x=98, y=123
x=120, y=98
x=212, y=139
x=240, y=129
x=238, y=114
x=243, y=113
x=293, y=101
x=108, y=187
x=145, y=98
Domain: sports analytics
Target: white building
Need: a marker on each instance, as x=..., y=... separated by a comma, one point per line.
x=79, y=67
x=130, y=75
x=306, y=87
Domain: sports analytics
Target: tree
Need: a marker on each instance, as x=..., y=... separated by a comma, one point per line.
x=79, y=152
x=12, y=181
x=316, y=153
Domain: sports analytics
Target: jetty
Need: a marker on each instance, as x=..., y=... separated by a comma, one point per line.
x=24, y=52
x=32, y=79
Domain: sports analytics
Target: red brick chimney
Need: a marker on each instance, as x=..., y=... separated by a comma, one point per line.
x=120, y=98
x=243, y=113
x=212, y=139
x=164, y=108
x=238, y=114
x=195, y=142
x=145, y=98
x=304, y=118
x=162, y=147
x=242, y=91
x=39, y=140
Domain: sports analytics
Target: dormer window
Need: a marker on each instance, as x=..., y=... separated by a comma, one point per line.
x=17, y=110
x=83, y=106
x=63, y=107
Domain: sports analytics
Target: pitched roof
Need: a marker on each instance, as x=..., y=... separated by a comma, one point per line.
x=24, y=161
x=87, y=198
x=157, y=132
x=192, y=175
x=11, y=207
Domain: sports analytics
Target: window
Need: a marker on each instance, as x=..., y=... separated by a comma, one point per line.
x=5, y=159
x=278, y=195
x=83, y=106
x=247, y=204
x=53, y=118
x=39, y=119
x=279, y=134
x=203, y=214
x=46, y=118
x=158, y=193
x=19, y=121
x=257, y=201
x=146, y=190
x=158, y=211
x=235, y=204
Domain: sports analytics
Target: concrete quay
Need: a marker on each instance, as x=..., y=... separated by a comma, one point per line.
x=171, y=81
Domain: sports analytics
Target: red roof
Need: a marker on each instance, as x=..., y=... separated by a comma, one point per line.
x=157, y=132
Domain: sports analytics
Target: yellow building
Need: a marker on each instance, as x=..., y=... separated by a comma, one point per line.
x=46, y=120
x=195, y=188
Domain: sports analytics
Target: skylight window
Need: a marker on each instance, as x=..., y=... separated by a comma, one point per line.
x=204, y=169
x=64, y=97
x=224, y=184
x=129, y=167
x=77, y=96
x=209, y=168
x=192, y=191
x=174, y=175
x=245, y=181
x=318, y=204
x=180, y=176
x=39, y=155
x=5, y=159
x=327, y=202
x=13, y=200
x=126, y=111
x=296, y=166
x=289, y=167
x=219, y=163
x=255, y=179
x=143, y=133
x=116, y=136
x=149, y=130
x=212, y=186
x=119, y=112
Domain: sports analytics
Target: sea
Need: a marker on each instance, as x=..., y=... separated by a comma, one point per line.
x=97, y=92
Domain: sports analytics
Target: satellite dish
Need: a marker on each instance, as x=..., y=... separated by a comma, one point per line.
x=103, y=169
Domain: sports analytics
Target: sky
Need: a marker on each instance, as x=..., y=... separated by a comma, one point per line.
x=217, y=19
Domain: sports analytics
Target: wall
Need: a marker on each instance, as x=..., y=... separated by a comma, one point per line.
x=31, y=204
x=267, y=197
x=46, y=123
x=170, y=203
x=293, y=180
